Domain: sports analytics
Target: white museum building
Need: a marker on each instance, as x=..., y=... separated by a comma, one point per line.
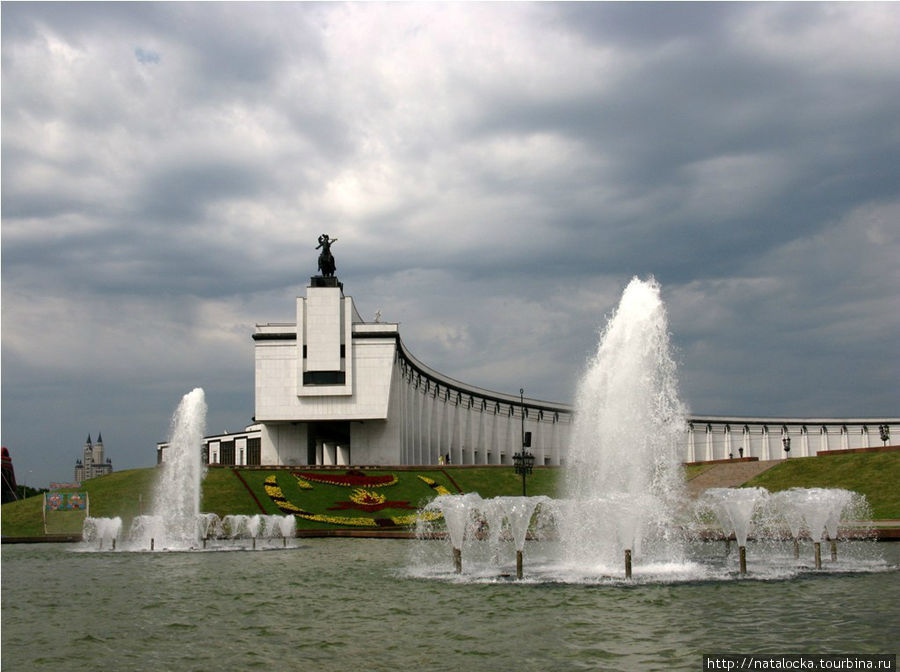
x=333, y=389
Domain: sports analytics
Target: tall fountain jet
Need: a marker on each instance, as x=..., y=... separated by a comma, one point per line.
x=174, y=520
x=623, y=477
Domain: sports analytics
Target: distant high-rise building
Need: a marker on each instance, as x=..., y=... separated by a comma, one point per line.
x=92, y=465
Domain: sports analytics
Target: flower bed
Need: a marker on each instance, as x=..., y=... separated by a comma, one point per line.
x=352, y=479
x=431, y=483
x=360, y=499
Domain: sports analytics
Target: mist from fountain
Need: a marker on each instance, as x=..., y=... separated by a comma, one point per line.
x=101, y=530
x=625, y=497
x=624, y=483
x=173, y=521
x=734, y=508
x=785, y=507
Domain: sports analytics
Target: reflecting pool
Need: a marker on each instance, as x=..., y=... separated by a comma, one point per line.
x=342, y=604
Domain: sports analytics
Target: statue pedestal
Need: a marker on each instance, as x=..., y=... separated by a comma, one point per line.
x=321, y=281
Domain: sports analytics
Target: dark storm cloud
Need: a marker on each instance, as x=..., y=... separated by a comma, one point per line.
x=646, y=24
x=495, y=174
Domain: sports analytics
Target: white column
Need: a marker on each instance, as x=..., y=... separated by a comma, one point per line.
x=465, y=444
x=494, y=446
x=479, y=444
x=554, y=440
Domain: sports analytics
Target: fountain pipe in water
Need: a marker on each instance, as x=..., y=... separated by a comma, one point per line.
x=518, y=564
x=254, y=543
x=114, y=548
x=833, y=550
x=742, y=550
x=457, y=560
x=796, y=549
x=627, y=563
x=152, y=542
x=818, y=546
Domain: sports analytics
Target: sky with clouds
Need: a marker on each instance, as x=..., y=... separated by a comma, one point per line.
x=495, y=175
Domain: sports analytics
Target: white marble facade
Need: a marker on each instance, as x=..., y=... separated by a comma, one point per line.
x=331, y=389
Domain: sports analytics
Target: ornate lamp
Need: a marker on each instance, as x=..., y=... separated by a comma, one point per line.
x=524, y=461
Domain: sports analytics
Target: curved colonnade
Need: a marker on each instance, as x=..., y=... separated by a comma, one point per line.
x=443, y=417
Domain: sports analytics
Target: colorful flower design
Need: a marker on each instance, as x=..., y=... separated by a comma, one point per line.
x=274, y=492
x=352, y=479
x=434, y=485
x=366, y=497
x=359, y=499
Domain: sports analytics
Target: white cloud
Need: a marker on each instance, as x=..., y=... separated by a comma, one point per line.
x=495, y=174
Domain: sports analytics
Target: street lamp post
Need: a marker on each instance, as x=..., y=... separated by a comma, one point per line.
x=524, y=461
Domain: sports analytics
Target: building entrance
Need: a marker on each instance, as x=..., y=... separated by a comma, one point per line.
x=329, y=443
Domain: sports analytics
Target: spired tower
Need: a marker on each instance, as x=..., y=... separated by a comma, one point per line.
x=92, y=465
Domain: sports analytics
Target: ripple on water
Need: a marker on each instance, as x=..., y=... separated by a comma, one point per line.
x=308, y=609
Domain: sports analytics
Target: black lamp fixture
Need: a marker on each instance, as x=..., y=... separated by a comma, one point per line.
x=524, y=461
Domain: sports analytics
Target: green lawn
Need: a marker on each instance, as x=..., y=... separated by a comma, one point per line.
x=127, y=493
x=874, y=475
x=223, y=493
x=503, y=481
x=121, y=493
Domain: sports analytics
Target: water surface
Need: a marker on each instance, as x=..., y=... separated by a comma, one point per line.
x=337, y=605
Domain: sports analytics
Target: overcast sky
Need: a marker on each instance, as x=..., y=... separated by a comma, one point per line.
x=495, y=175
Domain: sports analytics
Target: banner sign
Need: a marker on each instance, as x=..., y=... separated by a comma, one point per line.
x=66, y=501
x=64, y=486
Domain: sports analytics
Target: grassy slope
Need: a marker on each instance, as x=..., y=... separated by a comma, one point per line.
x=125, y=493
x=121, y=493
x=495, y=482
x=872, y=474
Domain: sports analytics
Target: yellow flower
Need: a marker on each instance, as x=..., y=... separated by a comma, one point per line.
x=431, y=483
x=362, y=496
x=410, y=519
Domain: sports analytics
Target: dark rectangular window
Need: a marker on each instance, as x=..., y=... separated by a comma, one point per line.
x=324, y=377
x=254, y=452
x=226, y=453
